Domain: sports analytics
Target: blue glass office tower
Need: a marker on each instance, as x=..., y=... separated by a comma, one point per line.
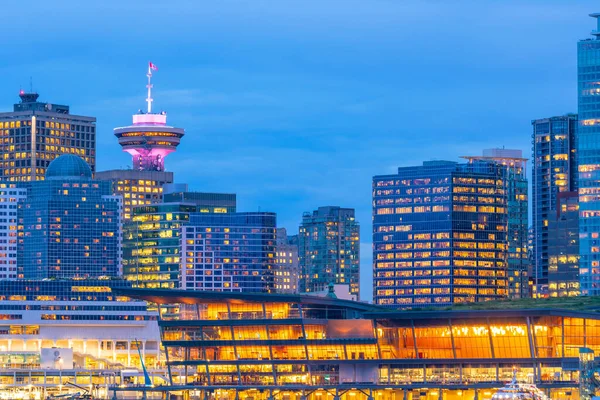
x=69, y=224
x=440, y=234
x=554, y=171
x=588, y=93
x=229, y=252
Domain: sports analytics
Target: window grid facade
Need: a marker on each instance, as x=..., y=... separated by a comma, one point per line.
x=518, y=217
x=137, y=188
x=36, y=133
x=329, y=249
x=69, y=225
x=229, y=252
x=588, y=92
x=152, y=246
x=10, y=196
x=554, y=171
x=440, y=234
x=287, y=266
x=563, y=239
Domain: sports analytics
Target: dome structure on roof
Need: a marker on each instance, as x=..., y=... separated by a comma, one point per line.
x=68, y=166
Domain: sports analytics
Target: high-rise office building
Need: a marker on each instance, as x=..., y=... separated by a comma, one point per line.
x=518, y=217
x=69, y=224
x=149, y=140
x=554, y=170
x=35, y=133
x=329, y=249
x=588, y=146
x=287, y=267
x=563, y=247
x=152, y=238
x=440, y=234
x=10, y=196
x=229, y=252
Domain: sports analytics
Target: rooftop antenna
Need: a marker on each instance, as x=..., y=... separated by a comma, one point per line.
x=30, y=84
x=151, y=67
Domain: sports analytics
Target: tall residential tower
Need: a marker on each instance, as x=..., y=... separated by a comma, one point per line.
x=329, y=249
x=554, y=171
x=588, y=144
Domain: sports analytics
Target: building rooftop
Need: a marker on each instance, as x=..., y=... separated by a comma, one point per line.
x=588, y=304
x=68, y=166
x=172, y=296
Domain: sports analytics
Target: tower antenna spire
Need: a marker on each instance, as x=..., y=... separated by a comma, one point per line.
x=151, y=67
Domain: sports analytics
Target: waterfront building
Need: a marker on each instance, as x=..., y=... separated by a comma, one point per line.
x=69, y=224
x=35, y=133
x=440, y=234
x=588, y=147
x=229, y=252
x=287, y=267
x=518, y=217
x=554, y=171
x=10, y=196
x=53, y=332
x=136, y=187
x=240, y=345
x=329, y=249
x=563, y=245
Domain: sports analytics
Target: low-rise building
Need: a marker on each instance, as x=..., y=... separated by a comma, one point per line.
x=255, y=345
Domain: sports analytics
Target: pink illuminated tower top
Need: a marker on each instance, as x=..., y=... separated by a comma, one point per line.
x=149, y=140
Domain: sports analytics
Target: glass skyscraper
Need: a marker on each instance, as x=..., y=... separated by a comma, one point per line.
x=35, y=133
x=229, y=252
x=554, y=171
x=329, y=249
x=440, y=234
x=69, y=224
x=588, y=144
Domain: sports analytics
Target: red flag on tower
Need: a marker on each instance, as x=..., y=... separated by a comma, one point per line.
x=153, y=67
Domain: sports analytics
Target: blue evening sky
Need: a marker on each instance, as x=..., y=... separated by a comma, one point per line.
x=297, y=104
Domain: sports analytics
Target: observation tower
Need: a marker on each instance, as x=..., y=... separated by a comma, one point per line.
x=149, y=139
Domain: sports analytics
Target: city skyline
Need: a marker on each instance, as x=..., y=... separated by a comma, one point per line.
x=292, y=128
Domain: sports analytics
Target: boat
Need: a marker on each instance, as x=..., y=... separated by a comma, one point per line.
x=519, y=391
